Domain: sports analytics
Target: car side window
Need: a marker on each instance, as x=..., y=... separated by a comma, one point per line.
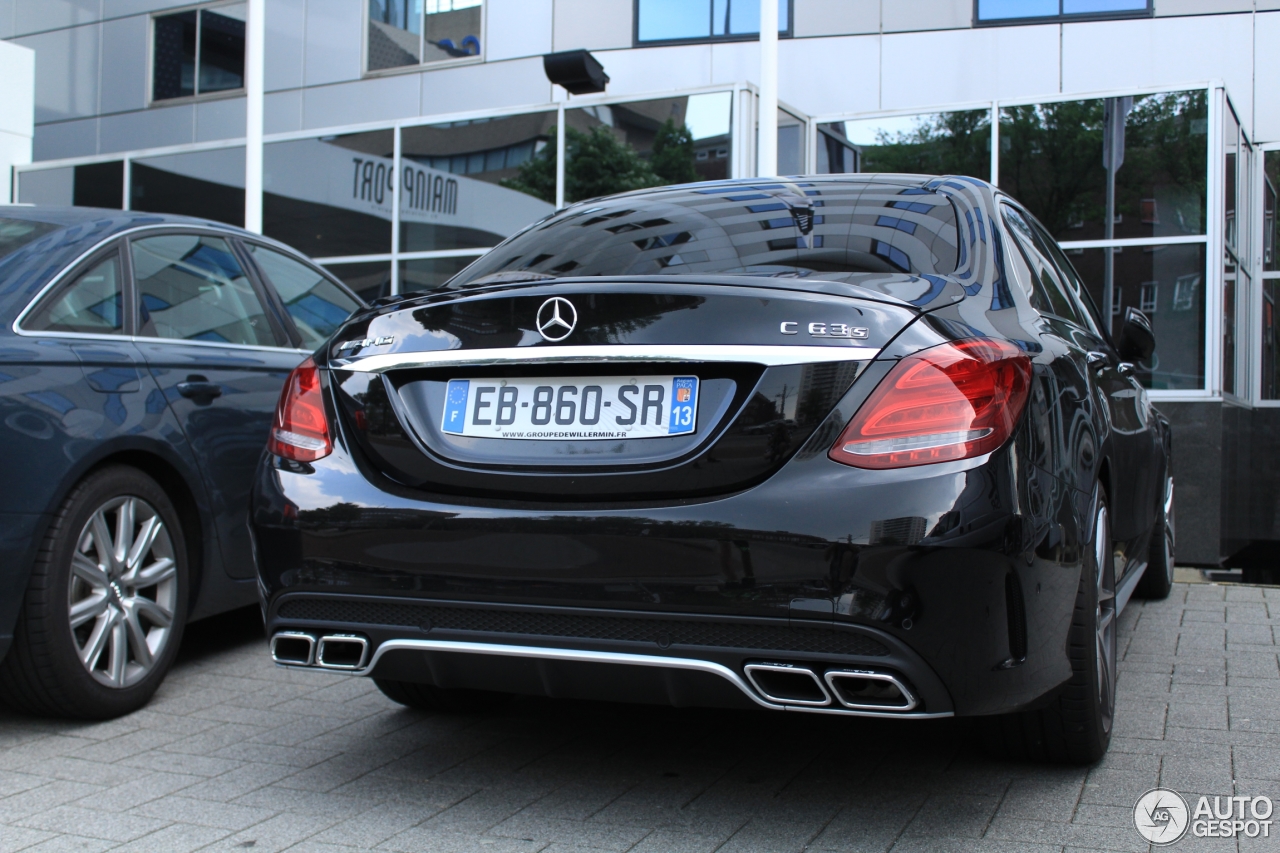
x=191, y=287
x=318, y=306
x=1075, y=285
x=1048, y=292
x=91, y=302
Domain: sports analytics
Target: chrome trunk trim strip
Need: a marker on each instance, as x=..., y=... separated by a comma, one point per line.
x=769, y=356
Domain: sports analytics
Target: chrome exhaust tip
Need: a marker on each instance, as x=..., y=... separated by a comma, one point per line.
x=293, y=648
x=342, y=651
x=788, y=684
x=871, y=690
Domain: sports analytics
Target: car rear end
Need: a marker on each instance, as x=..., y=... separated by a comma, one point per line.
x=745, y=490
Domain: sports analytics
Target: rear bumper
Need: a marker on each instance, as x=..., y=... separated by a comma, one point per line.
x=941, y=574
x=606, y=654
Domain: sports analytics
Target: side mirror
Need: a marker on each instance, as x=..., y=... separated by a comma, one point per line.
x=1137, y=341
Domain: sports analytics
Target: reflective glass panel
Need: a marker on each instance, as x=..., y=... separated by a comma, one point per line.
x=205, y=184
x=222, y=48
x=332, y=195
x=1052, y=160
x=1094, y=7
x=621, y=147
x=47, y=186
x=395, y=33
x=672, y=20
x=471, y=184
x=430, y=273
x=995, y=10
x=89, y=185
x=191, y=287
x=452, y=29
x=1271, y=180
x=90, y=303
x=955, y=143
x=369, y=280
x=1167, y=283
x=1270, y=340
x=173, y=56
x=318, y=306
x=790, y=144
x=99, y=185
x=1230, y=176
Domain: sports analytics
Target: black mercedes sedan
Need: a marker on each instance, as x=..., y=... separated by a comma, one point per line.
x=141, y=360
x=854, y=445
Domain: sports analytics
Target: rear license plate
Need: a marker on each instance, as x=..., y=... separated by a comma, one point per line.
x=572, y=407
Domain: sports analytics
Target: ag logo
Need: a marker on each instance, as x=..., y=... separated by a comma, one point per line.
x=556, y=319
x=1161, y=816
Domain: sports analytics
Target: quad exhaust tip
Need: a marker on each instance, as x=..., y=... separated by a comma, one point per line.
x=293, y=648
x=788, y=683
x=341, y=651
x=854, y=689
x=331, y=651
x=871, y=690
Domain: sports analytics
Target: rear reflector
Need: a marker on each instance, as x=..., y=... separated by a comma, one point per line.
x=301, y=429
x=952, y=401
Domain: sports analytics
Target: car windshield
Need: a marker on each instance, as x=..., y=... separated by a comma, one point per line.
x=822, y=229
x=16, y=233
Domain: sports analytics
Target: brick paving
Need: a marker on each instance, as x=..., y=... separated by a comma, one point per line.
x=234, y=754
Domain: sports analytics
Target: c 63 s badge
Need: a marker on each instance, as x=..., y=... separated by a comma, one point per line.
x=826, y=330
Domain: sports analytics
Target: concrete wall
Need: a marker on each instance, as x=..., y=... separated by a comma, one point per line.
x=17, y=111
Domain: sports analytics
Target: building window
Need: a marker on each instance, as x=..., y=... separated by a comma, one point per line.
x=198, y=52
x=1148, y=296
x=413, y=32
x=1014, y=11
x=659, y=21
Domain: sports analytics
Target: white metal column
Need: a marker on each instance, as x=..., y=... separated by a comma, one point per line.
x=561, y=133
x=768, y=144
x=254, y=68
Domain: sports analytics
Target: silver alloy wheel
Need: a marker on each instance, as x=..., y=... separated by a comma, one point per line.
x=123, y=591
x=1170, y=538
x=1105, y=617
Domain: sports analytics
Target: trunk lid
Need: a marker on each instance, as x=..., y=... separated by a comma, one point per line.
x=771, y=360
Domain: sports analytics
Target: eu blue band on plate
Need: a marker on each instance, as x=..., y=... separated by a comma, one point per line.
x=684, y=404
x=455, y=404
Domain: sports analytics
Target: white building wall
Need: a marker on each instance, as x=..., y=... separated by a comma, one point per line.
x=17, y=111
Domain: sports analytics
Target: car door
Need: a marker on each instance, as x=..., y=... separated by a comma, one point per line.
x=1122, y=399
x=220, y=358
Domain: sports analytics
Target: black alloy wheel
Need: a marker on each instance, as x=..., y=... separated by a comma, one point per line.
x=1157, y=580
x=106, y=605
x=1075, y=727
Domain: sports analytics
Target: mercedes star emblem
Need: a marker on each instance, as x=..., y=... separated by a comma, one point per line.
x=556, y=319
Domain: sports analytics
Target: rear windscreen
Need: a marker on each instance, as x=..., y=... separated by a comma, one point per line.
x=15, y=233
x=827, y=230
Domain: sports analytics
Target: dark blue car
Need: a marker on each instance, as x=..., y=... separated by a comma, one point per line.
x=141, y=358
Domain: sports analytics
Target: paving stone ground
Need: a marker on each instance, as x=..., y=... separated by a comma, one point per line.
x=234, y=754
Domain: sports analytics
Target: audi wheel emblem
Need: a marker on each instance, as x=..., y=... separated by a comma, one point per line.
x=556, y=319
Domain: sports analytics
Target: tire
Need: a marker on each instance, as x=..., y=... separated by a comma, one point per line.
x=1157, y=580
x=1075, y=727
x=96, y=633
x=428, y=697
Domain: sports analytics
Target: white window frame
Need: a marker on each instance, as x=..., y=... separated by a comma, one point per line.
x=421, y=65
x=151, y=59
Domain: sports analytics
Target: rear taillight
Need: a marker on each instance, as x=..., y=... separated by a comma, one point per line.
x=301, y=430
x=952, y=401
